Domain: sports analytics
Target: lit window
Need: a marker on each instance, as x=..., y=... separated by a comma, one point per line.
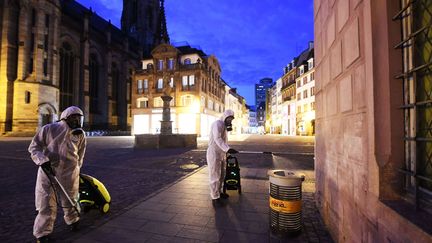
x=191, y=80
x=171, y=64
x=142, y=103
x=171, y=82
x=160, y=84
x=185, y=80
x=202, y=101
x=139, y=86
x=310, y=64
x=187, y=100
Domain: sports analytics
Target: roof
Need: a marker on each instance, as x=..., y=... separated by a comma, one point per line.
x=187, y=49
x=77, y=11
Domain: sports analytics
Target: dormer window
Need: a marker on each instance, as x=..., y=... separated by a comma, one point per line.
x=149, y=66
x=160, y=64
x=187, y=61
x=301, y=69
x=310, y=64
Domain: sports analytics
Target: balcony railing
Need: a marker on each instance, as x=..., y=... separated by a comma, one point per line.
x=188, y=88
x=144, y=71
x=142, y=91
x=190, y=66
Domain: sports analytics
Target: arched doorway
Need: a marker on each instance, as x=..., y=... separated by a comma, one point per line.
x=47, y=114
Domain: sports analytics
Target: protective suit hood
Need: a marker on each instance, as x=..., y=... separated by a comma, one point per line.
x=69, y=111
x=226, y=114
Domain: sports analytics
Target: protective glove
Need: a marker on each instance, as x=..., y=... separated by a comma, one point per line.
x=47, y=168
x=232, y=151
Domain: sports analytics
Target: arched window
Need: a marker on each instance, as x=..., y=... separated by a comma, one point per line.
x=187, y=61
x=66, y=76
x=94, y=83
x=115, y=80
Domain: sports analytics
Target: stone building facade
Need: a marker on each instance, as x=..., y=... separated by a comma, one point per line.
x=373, y=140
x=57, y=53
x=305, y=93
x=187, y=74
x=289, y=99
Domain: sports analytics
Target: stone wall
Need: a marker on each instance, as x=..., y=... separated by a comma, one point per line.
x=358, y=125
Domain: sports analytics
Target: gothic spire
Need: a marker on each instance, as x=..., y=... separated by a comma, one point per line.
x=162, y=32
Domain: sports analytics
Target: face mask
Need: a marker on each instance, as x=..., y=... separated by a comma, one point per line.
x=228, y=124
x=75, y=122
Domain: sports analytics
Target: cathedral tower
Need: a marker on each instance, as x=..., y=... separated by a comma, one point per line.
x=140, y=20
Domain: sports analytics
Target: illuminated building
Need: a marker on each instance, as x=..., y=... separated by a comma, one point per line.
x=289, y=99
x=305, y=92
x=187, y=74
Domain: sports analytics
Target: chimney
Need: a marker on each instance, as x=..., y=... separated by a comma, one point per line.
x=311, y=45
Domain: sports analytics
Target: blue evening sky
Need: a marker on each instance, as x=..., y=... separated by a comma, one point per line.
x=252, y=39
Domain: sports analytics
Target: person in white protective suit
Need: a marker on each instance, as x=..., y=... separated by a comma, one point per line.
x=58, y=148
x=216, y=155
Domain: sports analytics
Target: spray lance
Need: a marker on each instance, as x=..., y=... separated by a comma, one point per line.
x=50, y=174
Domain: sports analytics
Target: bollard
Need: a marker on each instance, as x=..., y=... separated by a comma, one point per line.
x=285, y=202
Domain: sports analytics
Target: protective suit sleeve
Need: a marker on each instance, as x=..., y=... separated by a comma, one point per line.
x=81, y=151
x=217, y=135
x=37, y=147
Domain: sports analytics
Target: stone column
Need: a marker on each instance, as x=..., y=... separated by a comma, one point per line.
x=84, y=82
x=166, y=123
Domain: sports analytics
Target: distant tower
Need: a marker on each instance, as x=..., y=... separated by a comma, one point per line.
x=161, y=35
x=140, y=20
x=260, y=98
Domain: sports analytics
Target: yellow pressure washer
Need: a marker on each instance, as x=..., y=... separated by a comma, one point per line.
x=93, y=194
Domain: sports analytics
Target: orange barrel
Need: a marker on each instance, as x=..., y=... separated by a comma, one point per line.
x=285, y=202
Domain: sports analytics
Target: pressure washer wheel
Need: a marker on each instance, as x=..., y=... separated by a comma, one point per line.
x=105, y=208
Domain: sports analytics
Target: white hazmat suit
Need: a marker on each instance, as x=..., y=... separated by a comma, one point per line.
x=216, y=154
x=55, y=143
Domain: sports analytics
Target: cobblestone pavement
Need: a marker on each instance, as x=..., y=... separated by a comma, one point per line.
x=131, y=175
